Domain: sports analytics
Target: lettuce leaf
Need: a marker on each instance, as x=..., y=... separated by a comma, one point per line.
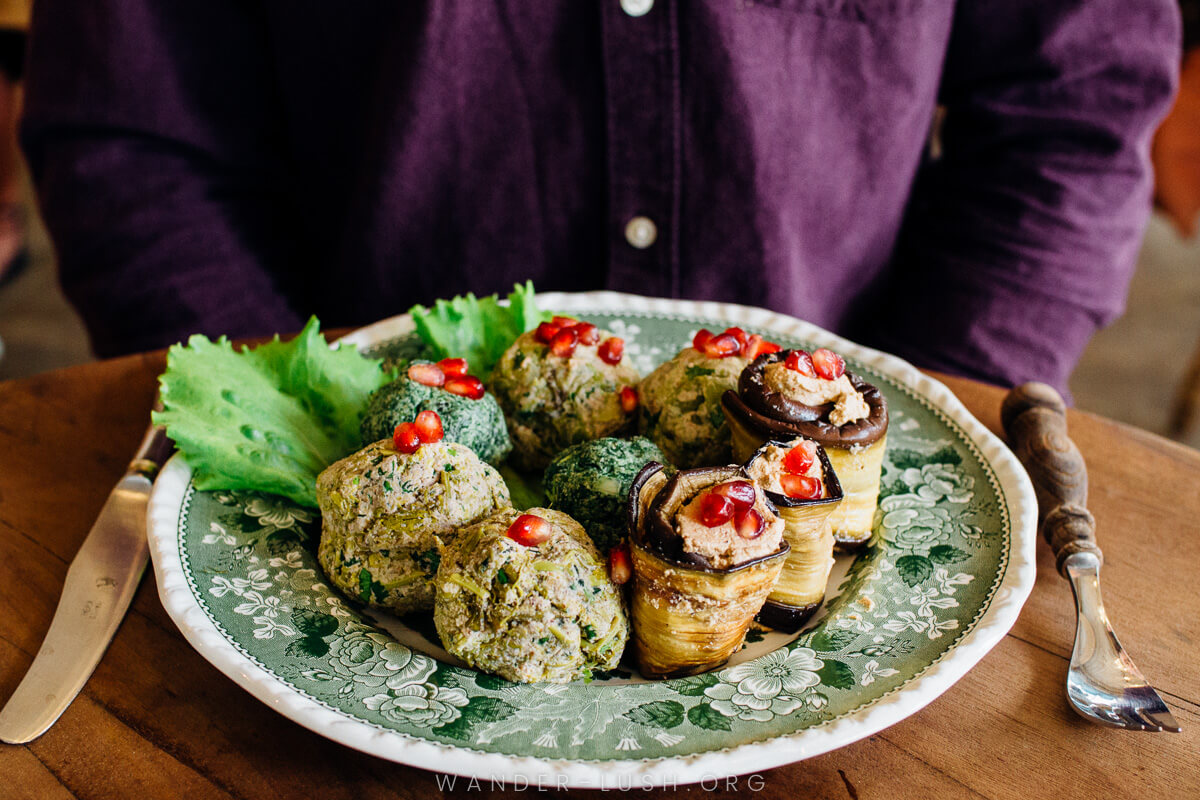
x=477, y=329
x=268, y=418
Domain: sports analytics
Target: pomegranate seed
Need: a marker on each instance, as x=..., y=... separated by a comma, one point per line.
x=453, y=367
x=563, y=322
x=465, y=386
x=801, y=487
x=701, y=338
x=611, y=350
x=629, y=399
x=564, y=342
x=620, y=568
x=716, y=509
x=800, y=361
x=587, y=333
x=829, y=365
x=800, y=458
x=757, y=346
x=738, y=334
x=530, y=530
x=740, y=493
x=429, y=427
x=722, y=346
x=406, y=438
x=748, y=523
x=427, y=374
x=545, y=332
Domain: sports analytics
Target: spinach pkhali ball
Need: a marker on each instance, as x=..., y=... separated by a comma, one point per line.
x=525, y=596
x=476, y=423
x=591, y=481
x=566, y=382
x=385, y=515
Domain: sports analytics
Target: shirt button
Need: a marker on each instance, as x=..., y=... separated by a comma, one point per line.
x=641, y=232
x=637, y=8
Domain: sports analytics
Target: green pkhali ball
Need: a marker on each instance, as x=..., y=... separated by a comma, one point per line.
x=477, y=424
x=590, y=481
x=545, y=612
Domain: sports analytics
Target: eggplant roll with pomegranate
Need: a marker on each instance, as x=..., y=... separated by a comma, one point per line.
x=800, y=482
x=707, y=546
x=791, y=393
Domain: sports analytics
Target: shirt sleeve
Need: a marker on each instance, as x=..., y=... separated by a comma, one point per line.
x=148, y=130
x=1021, y=238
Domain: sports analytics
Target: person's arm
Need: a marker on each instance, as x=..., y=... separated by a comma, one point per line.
x=149, y=132
x=1021, y=239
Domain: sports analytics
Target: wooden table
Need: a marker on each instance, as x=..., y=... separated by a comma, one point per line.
x=156, y=720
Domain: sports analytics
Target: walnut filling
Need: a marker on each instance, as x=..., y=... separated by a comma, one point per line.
x=721, y=546
x=849, y=404
x=768, y=469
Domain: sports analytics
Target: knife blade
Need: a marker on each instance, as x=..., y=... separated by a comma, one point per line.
x=96, y=594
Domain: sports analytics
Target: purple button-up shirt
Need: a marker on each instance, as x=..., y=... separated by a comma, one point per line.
x=230, y=166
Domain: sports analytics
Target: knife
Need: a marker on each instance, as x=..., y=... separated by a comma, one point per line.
x=99, y=586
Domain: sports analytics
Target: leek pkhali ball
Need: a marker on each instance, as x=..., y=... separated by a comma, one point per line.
x=681, y=400
x=525, y=595
x=385, y=515
x=562, y=384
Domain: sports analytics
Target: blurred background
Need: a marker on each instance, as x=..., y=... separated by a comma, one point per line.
x=1144, y=370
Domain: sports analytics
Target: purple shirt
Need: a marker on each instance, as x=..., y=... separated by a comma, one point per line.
x=229, y=166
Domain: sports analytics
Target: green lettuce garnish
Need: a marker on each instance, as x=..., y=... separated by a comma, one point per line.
x=478, y=329
x=267, y=418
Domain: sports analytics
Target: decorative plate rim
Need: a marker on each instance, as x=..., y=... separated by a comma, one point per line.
x=995, y=620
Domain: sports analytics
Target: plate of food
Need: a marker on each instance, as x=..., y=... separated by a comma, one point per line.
x=619, y=541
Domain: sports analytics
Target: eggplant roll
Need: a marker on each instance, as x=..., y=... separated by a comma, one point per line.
x=847, y=417
x=799, y=480
x=692, y=603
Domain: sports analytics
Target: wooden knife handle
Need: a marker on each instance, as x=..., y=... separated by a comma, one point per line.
x=1035, y=419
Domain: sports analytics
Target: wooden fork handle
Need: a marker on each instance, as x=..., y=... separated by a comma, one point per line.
x=1035, y=419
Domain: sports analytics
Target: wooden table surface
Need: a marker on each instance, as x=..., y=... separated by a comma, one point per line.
x=156, y=720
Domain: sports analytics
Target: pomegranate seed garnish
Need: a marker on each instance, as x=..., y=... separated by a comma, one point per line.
x=427, y=374
x=801, y=487
x=429, y=427
x=701, y=338
x=564, y=342
x=722, y=346
x=620, y=567
x=716, y=509
x=530, y=530
x=757, y=346
x=453, y=367
x=738, y=334
x=587, y=333
x=748, y=523
x=563, y=322
x=741, y=493
x=829, y=365
x=406, y=438
x=629, y=399
x=465, y=386
x=800, y=361
x=545, y=332
x=800, y=458
x=611, y=350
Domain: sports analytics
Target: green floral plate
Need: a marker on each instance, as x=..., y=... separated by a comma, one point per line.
x=945, y=575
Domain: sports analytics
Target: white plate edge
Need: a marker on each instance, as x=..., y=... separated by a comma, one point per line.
x=1007, y=601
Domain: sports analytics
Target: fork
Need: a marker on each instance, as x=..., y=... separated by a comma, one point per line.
x=1103, y=684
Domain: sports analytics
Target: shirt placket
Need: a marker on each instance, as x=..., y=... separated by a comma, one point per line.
x=641, y=62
